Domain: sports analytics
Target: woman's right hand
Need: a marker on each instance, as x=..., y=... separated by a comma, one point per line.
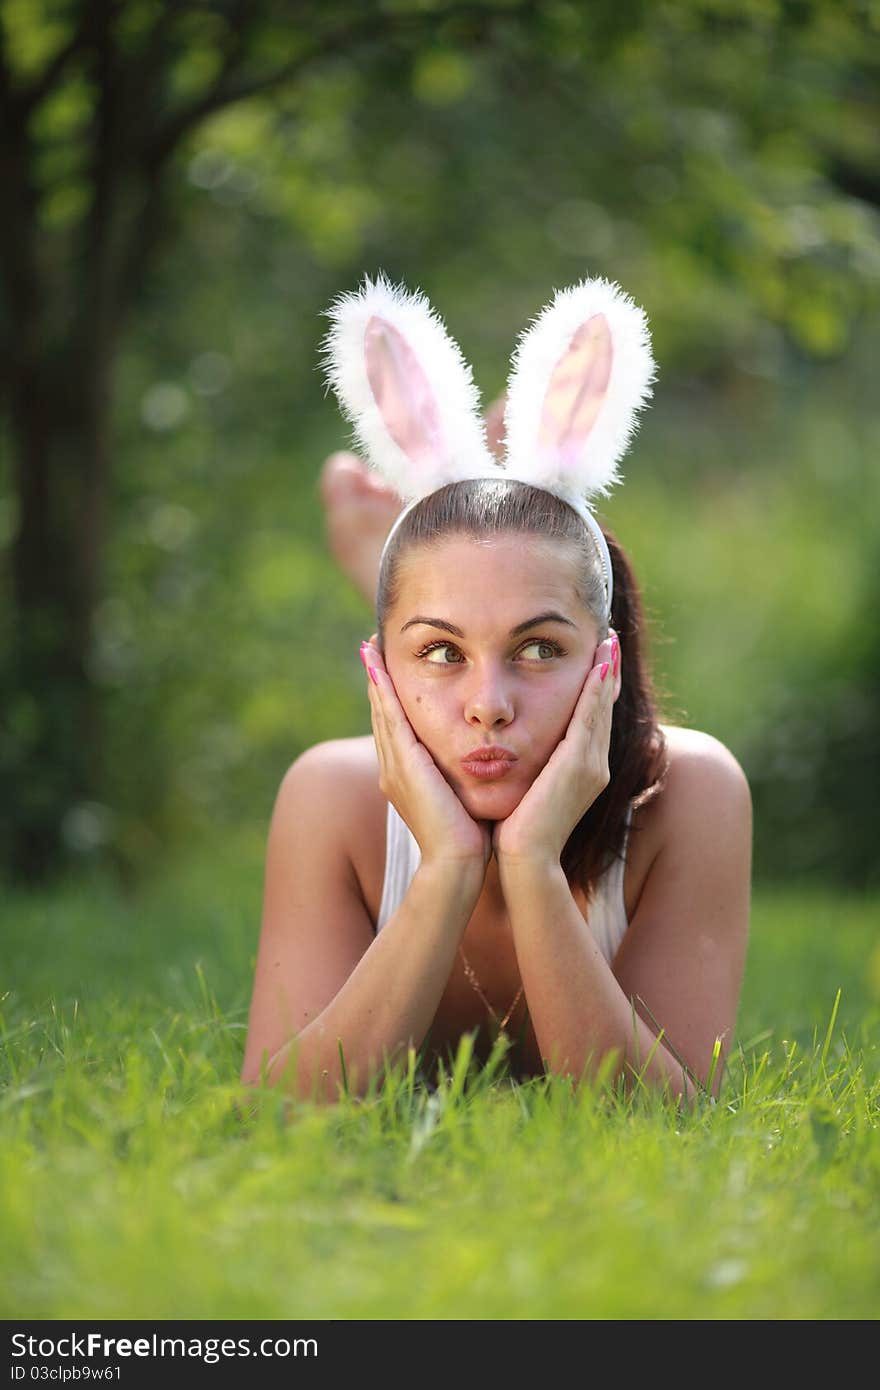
x=413, y=783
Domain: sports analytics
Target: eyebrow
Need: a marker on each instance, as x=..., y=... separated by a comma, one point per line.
x=549, y=617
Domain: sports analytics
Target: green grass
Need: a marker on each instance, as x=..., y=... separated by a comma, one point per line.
x=132, y=1185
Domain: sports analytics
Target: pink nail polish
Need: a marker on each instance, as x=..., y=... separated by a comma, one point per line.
x=604, y=669
x=361, y=653
x=372, y=671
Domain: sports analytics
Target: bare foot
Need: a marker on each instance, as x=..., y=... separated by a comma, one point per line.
x=359, y=511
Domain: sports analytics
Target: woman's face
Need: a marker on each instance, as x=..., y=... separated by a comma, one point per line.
x=488, y=644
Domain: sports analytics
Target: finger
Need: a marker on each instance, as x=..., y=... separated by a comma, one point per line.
x=586, y=712
x=607, y=659
x=592, y=699
x=379, y=741
x=606, y=707
x=374, y=655
x=602, y=661
x=378, y=718
x=378, y=676
x=368, y=659
x=377, y=721
x=372, y=658
x=378, y=710
x=397, y=727
x=389, y=702
x=616, y=679
x=616, y=659
x=605, y=650
x=597, y=718
x=615, y=651
x=609, y=692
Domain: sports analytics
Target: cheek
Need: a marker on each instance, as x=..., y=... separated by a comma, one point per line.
x=426, y=709
x=554, y=706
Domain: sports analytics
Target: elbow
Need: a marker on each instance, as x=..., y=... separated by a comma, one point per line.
x=256, y=1067
x=299, y=1075
x=269, y=1070
x=288, y=1087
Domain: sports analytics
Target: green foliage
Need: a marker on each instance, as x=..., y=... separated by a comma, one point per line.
x=197, y=1198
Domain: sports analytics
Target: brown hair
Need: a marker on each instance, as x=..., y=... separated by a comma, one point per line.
x=636, y=761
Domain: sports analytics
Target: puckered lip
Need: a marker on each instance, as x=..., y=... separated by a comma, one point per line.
x=492, y=752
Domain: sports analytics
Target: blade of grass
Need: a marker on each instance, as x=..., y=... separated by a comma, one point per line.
x=342, y=1068
x=827, y=1043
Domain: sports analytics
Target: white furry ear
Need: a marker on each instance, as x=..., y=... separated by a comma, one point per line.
x=580, y=373
x=406, y=388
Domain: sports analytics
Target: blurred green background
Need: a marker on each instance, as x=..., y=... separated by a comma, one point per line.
x=188, y=186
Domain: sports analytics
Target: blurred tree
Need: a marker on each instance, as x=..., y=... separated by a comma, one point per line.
x=97, y=97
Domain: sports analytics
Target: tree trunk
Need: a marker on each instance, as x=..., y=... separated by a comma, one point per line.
x=52, y=762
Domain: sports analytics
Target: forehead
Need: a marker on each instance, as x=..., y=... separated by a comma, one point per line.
x=504, y=574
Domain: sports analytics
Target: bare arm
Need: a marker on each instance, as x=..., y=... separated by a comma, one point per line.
x=321, y=978
x=684, y=952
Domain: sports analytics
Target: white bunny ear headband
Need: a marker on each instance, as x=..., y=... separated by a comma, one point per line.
x=580, y=373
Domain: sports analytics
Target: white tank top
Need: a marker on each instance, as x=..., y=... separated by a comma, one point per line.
x=607, y=914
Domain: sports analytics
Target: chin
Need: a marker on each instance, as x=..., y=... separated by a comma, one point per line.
x=491, y=800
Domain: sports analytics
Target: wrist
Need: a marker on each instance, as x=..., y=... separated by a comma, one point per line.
x=463, y=873
x=530, y=863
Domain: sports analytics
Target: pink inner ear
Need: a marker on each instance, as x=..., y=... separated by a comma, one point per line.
x=576, y=392
x=402, y=392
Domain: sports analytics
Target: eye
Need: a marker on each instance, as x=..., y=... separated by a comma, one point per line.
x=551, y=649
x=427, y=653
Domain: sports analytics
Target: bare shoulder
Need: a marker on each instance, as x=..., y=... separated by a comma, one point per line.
x=336, y=783
x=704, y=804
x=701, y=765
x=704, y=799
x=335, y=762
x=339, y=780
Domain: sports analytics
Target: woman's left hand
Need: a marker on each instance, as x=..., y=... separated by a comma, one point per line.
x=575, y=774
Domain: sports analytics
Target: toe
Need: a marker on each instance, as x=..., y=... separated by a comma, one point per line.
x=342, y=473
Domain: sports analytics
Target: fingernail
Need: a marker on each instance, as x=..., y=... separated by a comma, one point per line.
x=604, y=670
x=361, y=653
x=372, y=671
x=615, y=654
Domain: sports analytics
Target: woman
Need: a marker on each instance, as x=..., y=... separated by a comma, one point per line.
x=520, y=844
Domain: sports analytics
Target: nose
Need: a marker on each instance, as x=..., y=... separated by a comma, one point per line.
x=488, y=703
